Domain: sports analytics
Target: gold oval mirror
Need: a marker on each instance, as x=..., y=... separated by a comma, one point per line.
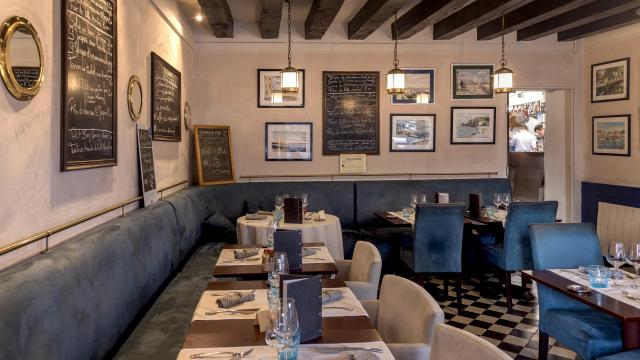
x=187, y=116
x=21, y=58
x=134, y=98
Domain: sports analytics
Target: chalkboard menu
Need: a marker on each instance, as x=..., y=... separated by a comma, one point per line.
x=89, y=82
x=213, y=154
x=165, y=100
x=350, y=116
x=147, y=170
x=26, y=76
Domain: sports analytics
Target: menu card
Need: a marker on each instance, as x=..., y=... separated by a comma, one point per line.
x=307, y=293
x=474, y=205
x=289, y=242
x=293, y=210
x=442, y=198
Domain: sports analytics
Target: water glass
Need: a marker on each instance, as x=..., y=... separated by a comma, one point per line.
x=506, y=199
x=414, y=201
x=616, y=256
x=406, y=213
x=633, y=259
x=422, y=199
x=283, y=330
x=278, y=265
x=271, y=230
x=497, y=200
x=599, y=276
x=305, y=202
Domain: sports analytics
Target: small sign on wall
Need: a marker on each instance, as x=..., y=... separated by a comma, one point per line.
x=353, y=163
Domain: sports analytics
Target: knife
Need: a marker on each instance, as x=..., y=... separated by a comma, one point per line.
x=339, y=349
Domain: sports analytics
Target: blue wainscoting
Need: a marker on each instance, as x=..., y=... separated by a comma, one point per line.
x=592, y=193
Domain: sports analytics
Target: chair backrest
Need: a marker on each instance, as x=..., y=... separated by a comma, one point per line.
x=437, y=245
x=617, y=222
x=564, y=246
x=406, y=313
x=517, y=244
x=453, y=343
x=366, y=264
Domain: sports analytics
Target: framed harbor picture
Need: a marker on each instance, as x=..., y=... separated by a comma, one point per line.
x=610, y=81
x=470, y=82
x=269, y=80
x=611, y=135
x=291, y=141
x=473, y=125
x=412, y=132
x=418, y=82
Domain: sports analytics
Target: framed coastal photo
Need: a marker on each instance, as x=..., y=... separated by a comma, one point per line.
x=291, y=141
x=610, y=81
x=269, y=80
x=412, y=132
x=417, y=81
x=473, y=125
x=471, y=82
x=611, y=135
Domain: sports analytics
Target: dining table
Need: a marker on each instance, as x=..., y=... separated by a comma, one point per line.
x=395, y=219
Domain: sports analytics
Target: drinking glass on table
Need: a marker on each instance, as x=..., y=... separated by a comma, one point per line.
x=497, y=200
x=506, y=200
x=285, y=330
x=305, y=203
x=279, y=207
x=422, y=199
x=271, y=230
x=278, y=265
x=414, y=201
x=633, y=258
x=616, y=257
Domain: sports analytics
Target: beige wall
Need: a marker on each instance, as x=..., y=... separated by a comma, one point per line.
x=34, y=194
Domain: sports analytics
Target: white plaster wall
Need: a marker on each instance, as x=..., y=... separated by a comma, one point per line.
x=34, y=194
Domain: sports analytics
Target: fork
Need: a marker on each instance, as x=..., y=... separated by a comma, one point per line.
x=240, y=260
x=313, y=258
x=234, y=355
x=239, y=311
x=338, y=308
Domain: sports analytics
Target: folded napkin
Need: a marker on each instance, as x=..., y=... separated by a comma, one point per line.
x=329, y=296
x=245, y=253
x=255, y=217
x=361, y=355
x=309, y=251
x=235, y=299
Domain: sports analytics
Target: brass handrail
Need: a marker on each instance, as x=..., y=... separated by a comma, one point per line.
x=332, y=176
x=54, y=230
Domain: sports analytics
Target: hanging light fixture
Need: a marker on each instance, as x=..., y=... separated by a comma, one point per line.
x=276, y=97
x=503, y=77
x=423, y=98
x=395, y=76
x=289, y=75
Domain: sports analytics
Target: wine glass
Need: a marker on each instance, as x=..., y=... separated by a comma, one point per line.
x=633, y=259
x=279, y=205
x=497, y=200
x=271, y=230
x=506, y=200
x=616, y=257
x=286, y=329
x=305, y=203
x=414, y=201
x=422, y=199
x=278, y=265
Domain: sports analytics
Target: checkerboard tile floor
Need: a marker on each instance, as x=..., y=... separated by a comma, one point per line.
x=516, y=334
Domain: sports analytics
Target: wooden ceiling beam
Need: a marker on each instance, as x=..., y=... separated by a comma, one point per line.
x=472, y=16
x=532, y=13
x=609, y=23
x=218, y=16
x=371, y=15
x=321, y=15
x=583, y=15
x=270, y=18
x=424, y=14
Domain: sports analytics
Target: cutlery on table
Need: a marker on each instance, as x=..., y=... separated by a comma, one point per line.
x=231, y=292
x=339, y=349
x=628, y=295
x=338, y=308
x=314, y=258
x=214, y=354
x=241, y=260
x=239, y=311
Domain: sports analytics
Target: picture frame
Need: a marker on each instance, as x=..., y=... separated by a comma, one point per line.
x=288, y=141
x=611, y=135
x=471, y=81
x=353, y=163
x=214, y=154
x=166, y=100
x=269, y=79
x=412, y=133
x=417, y=80
x=473, y=125
x=610, y=80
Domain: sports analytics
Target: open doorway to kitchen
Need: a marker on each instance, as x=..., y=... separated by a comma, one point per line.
x=539, y=147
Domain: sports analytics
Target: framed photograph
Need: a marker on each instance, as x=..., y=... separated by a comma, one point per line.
x=269, y=80
x=412, y=132
x=471, y=82
x=291, y=141
x=417, y=81
x=473, y=125
x=610, y=81
x=611, y=135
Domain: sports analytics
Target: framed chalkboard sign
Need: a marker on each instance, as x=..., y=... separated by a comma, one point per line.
x=213, y=154
x=350, y=113
x=147, y=169
x=166, y=87
x=89, y=81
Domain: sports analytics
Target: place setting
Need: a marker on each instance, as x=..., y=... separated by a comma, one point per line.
x=250, y=256
x=230, y=304
x=316, y=255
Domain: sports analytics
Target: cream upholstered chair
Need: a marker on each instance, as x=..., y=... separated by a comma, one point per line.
x=406, y=317
x=362, y=274
x=453, y=343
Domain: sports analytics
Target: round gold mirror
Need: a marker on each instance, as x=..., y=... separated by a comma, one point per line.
x=21, y=58
x=187, y=116
x=134, y=98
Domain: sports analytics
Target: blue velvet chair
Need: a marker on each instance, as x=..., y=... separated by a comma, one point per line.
x=514, y=252
x=627, y=355
x=588, y=332
x=437, y=243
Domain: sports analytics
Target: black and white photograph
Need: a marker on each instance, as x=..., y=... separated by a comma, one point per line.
x=412, y=132
x=473, y=125
x=470, y=82
x=269, y=81
x=291, y=141
x=610, y=81
x=420, y=88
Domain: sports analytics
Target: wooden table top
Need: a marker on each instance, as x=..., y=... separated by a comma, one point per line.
x=258, y=270
x=396, y=221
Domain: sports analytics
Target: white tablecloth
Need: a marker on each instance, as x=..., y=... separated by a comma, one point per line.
x=621, y=292
x=328, y=232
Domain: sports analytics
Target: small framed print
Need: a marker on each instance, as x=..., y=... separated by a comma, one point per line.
x=291, y=141
x=611, y=135
x=269, y=80
x=610, y=81
x=417, y=81
x=353, y=163
x=412, y=132
x=471, y=82
x=473, y=125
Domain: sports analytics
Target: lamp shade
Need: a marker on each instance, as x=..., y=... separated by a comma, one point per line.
x=276, y=97
x=395, y=81
x=503, y=80
x=423, y=98
x=289, y=79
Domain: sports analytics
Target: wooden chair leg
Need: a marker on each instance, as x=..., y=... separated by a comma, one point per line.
x=543, y=346
x=509, y=291
x=459, y=291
